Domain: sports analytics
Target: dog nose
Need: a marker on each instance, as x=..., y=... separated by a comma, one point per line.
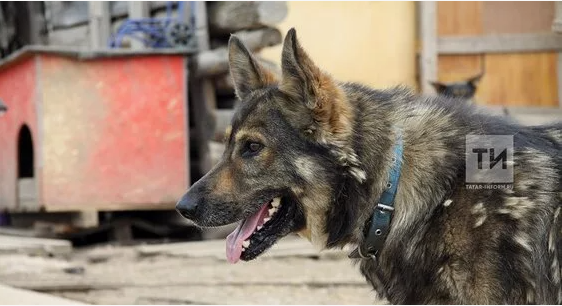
x=187, y=205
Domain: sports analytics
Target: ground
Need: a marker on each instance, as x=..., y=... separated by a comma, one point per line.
x=192, y=273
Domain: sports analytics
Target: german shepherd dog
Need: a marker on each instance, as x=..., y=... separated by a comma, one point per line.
x=310, y=155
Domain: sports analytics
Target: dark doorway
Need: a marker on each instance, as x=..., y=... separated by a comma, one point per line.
x=25, y=153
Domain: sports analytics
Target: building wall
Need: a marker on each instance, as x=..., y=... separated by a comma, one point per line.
x=368, y=42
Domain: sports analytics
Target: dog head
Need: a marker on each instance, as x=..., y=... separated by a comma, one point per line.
x=287, y=147
x=465, y=89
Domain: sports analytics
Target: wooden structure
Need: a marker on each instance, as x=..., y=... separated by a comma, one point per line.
x=517, y=49
x=101, y=130
x=16, y=296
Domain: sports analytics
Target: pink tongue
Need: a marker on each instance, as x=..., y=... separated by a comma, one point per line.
x=242, y=232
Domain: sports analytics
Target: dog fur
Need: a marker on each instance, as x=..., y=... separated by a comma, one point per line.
x=327, y=146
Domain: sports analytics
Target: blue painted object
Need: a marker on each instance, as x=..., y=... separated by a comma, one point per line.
x=168, y=32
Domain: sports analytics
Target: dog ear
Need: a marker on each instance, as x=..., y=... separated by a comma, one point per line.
x=246, y=72
x=304, y=82
x=439, y=87
x=475, y=80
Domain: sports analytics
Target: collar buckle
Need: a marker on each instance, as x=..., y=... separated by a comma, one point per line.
x=384, y=207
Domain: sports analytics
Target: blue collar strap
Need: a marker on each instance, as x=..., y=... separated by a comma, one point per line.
x=379, y=224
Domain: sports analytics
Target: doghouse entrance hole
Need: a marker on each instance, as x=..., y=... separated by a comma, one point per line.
x=25, y=153
x=27, y=187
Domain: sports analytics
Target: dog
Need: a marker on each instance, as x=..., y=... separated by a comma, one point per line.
x=384, y=171
x=465, y=89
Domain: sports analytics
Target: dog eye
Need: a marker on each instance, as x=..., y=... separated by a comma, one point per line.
x=252, y=148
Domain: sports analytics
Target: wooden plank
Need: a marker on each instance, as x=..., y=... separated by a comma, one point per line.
x=203, y=97
x=36, y=23
x=17, y=296
x=288, y=247
x=557, y=27
x=230, y=16
x=19, y=232
x=535, y=116
x=99, y=283
x=521, y=79
x=559, y=77
x=215, y=62
x=506, y=80
x=100, y=24
x=428, y=59
x=29, y=245
x=454, y=68
x=557, y=23
x=517, y=16
x=86, y=218
x=504, y=43
x=76, y=37
x=459, y=18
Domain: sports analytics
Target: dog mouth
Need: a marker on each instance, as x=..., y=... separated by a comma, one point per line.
x=257, y=233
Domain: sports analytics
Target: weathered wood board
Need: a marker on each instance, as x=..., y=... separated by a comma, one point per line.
x=16, y=296
x=29, y=245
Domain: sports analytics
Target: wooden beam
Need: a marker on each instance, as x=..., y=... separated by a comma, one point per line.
x=286, y=247
x=230, y=16
x=86, y=219
x=18, y=296
x=37, y=246
x=100, y=24
x=215, y=62
x=203, y=99
x=559, y=75
x=504, y=43
x=557, y=28
x=138, y=9
x=535, y=115
x=557, y=23
x=428, y=34
x=36, y=23
x=224, y=117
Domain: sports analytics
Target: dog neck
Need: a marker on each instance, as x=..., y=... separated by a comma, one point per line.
x=428, y=131
x=378, y=225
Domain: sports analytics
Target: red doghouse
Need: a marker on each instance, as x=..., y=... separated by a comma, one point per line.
x=104, y=131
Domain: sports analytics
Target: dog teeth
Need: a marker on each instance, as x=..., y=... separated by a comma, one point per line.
x=272, y=211
x=260, y=227
x=245, y=244
x=276, y=202
x=265, y=220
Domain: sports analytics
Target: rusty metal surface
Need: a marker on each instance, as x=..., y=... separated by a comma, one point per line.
x=114, y=132
x=19, y=92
